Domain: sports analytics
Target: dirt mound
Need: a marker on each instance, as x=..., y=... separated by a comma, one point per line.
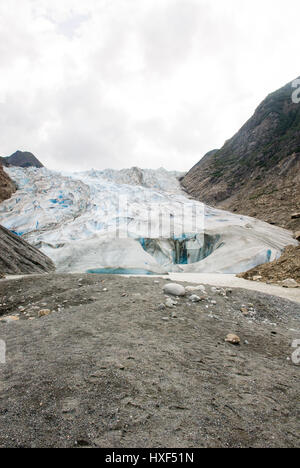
x=112, y=367
x=288, y=266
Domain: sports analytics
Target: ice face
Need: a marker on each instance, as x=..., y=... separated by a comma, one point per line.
x=132, y=220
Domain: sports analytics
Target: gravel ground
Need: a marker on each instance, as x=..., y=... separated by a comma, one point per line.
x=111, y=367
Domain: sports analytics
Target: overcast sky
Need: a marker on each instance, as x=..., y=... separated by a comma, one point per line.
x=150, y=83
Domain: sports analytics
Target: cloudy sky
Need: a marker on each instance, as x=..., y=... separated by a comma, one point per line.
x=151, y=83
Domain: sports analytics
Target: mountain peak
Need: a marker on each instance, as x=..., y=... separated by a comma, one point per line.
x=21, y=159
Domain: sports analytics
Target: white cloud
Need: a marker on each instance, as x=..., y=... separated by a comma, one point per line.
x=108, y=83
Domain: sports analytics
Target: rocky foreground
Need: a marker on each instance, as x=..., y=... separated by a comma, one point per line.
x=108, y=361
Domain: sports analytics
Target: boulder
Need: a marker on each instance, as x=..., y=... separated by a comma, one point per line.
x=174, y=289
x=290, y=283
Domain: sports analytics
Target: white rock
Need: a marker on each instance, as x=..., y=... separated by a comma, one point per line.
x=195, y=288
x=290, y=283
x=174, y=289
x=170, y=303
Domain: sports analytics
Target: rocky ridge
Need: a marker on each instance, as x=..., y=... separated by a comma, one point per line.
x=19, y=257
x=7, y=186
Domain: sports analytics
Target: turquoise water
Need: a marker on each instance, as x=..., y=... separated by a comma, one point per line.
x=119, y=271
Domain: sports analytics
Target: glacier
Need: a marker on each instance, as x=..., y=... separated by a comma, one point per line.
x=136, y=221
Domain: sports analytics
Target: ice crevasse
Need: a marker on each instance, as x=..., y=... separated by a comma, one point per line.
x=133, y=221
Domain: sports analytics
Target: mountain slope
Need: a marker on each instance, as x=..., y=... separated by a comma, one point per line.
x=21, y=159
x=257, y=172
x=7, y=186
x=18, y=257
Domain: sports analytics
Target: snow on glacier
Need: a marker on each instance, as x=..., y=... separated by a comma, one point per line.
x=132, y=221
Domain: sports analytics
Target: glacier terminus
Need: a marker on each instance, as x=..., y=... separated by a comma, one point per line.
x=133, y=221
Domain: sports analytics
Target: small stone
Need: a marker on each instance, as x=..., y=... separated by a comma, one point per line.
x=10, y=319
x=257, y=278
x=295, y=216
x=165, y=319
x=233, y=339
x=195, y=298
x=161, y=307
x=244, y=310
x=44, y=313
x=174, y=289
x=222, y=293
x=170, y=303
x=174, y=315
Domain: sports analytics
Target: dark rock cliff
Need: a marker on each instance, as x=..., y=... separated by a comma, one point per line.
x=7, y=186
x=19, y=257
